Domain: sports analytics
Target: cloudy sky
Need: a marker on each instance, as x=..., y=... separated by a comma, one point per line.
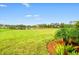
x=37, y=13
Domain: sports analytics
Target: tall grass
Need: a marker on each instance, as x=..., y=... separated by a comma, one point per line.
x=25, y=41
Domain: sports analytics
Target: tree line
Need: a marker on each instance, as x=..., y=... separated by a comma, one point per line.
x=52, y=25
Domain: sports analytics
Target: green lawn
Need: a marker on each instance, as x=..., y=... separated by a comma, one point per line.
x=25, y=41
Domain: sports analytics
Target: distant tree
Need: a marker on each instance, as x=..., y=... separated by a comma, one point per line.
x=51, y=25
x=1, y=25
x=56, y=25
x=62, y=25
x=12, y=27
x=42, y=25
x=33, y=26
x=21, y=27
x=77, y=24
x=28, y=26
x=7, y=26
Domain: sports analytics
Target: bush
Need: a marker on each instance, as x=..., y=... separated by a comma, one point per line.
x=74, y=34
x=69, y=48
x=74, y=53
x=68, y=33
x=60, y=49
x=62, y=33
x=70, y=36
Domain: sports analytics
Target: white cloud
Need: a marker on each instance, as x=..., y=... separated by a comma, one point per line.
x=2, y=5
x=26, y=4
x=35, y=15
x=28, y=15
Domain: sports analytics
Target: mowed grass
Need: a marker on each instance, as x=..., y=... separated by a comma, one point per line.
x=31, y=42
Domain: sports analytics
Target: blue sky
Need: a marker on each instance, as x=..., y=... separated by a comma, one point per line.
x=38, y=13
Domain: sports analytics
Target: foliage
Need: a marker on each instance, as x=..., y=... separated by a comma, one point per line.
x=69, y=48
x=60, y=49
x=51, y=25
x=62, y=33
x=74, y=53
x=22, y=27
x=67, y=33
x=76, y=24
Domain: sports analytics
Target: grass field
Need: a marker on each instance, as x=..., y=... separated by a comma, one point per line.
x=32, y=41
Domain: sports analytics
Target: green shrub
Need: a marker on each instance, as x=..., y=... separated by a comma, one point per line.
x=74, y=53
x=69, y=48
x=60, y=49
x=74, y=34
x=67, y=33
x=62, y=33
